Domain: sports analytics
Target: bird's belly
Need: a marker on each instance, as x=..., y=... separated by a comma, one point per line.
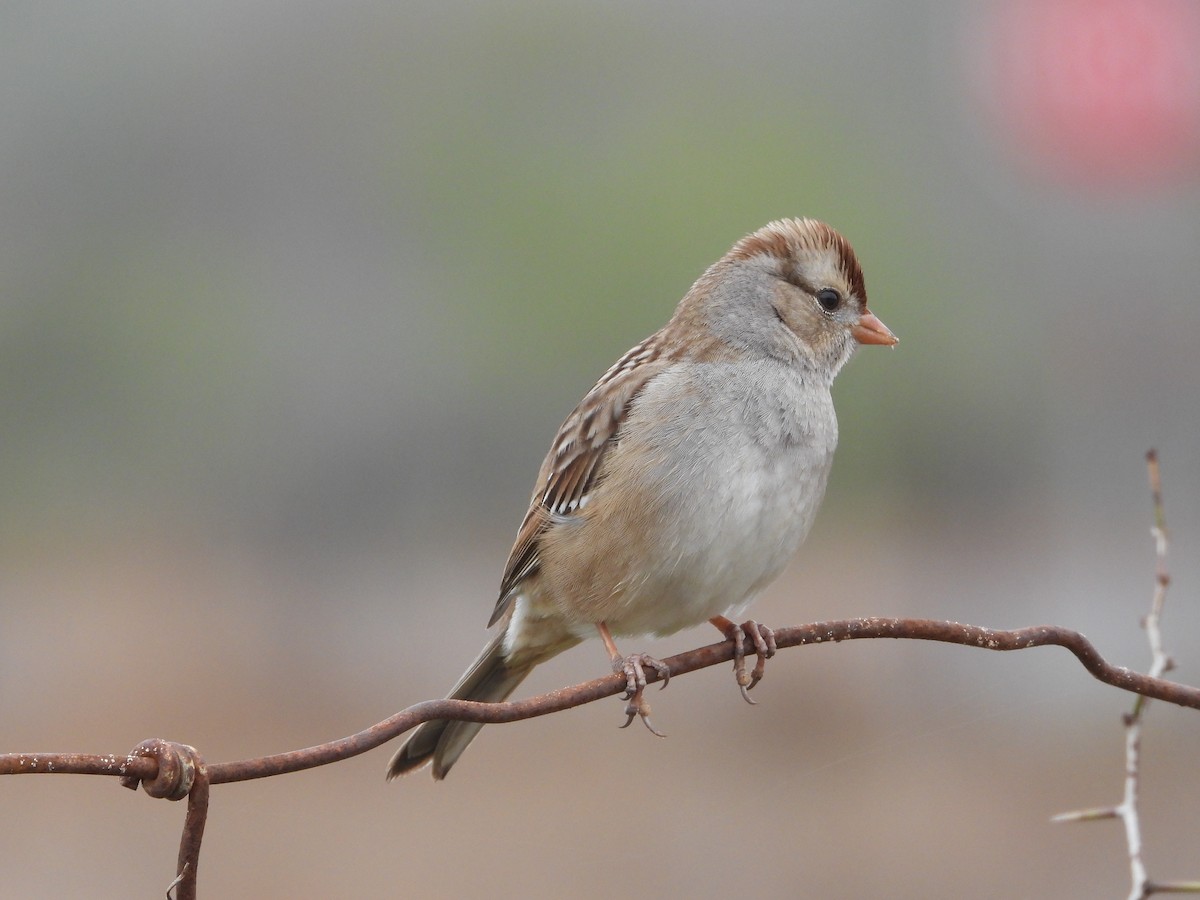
x=723, y=545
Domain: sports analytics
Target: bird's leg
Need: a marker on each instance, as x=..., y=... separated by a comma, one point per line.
x=634, y=667
x=763, y=639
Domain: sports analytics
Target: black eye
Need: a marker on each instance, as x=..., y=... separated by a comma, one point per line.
x=829, y=299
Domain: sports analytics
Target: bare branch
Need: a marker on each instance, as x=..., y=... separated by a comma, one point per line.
x=1127, y=810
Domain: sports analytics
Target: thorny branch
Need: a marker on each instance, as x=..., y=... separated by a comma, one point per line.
x=1160, y=663
x=174, y=771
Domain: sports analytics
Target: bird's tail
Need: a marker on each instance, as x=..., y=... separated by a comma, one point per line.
x=490, y=680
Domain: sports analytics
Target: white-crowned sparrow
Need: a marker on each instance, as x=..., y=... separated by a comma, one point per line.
x=686, y=478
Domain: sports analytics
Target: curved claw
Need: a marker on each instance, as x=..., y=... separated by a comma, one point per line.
x=638, y=707
x=763, y=639
x=633, y=667
x=764, y=648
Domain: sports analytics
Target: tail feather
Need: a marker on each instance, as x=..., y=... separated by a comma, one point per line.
x=490, y=680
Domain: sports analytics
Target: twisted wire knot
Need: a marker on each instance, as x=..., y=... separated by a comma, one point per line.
x=177, y=764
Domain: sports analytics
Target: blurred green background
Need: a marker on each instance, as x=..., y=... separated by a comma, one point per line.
x=293, y=297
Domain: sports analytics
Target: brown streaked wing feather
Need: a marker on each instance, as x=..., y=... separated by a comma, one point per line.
x=570, y=468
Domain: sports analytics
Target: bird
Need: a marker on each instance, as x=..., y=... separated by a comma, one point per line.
x=686, y=478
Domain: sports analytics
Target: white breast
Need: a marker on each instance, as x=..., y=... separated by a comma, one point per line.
x=744, y=466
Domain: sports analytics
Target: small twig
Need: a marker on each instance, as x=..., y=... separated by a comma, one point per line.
x=1160, y=663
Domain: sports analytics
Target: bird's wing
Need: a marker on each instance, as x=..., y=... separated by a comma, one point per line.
x=571, y=468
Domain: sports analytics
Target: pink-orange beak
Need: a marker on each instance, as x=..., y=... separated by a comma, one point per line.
x=870, y=330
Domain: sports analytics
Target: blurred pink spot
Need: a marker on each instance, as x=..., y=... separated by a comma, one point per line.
x=1096, y=91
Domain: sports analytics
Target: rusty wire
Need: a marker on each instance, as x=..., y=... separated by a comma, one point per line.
x=173, y=771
